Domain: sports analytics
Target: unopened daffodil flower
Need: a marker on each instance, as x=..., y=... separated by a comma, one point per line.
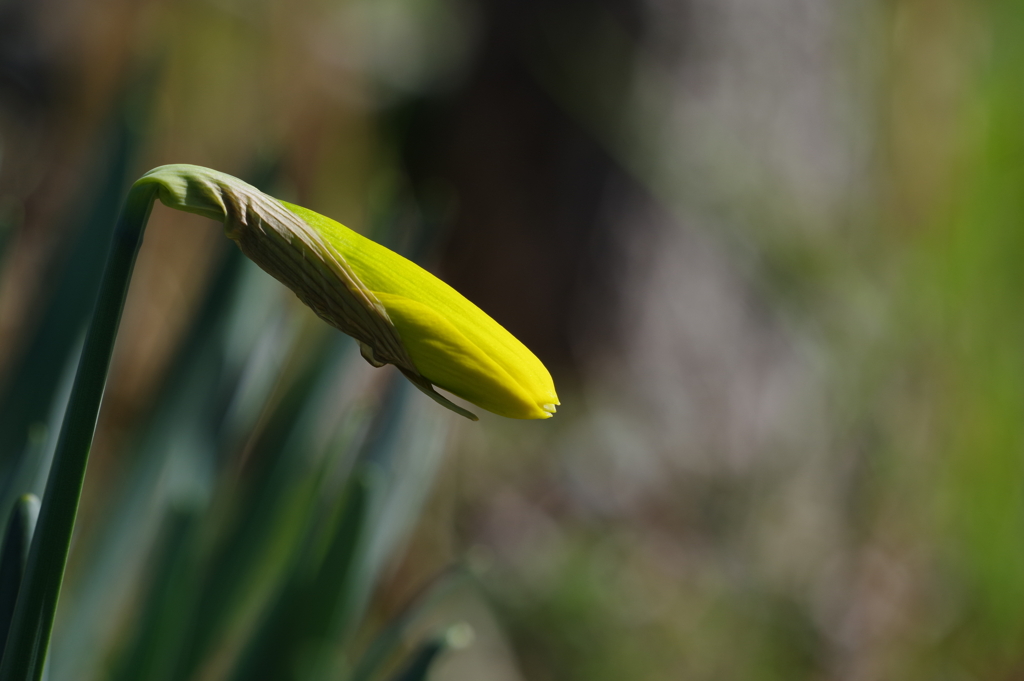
x=398, y=312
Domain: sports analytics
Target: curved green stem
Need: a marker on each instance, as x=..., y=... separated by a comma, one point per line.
x=29, y=638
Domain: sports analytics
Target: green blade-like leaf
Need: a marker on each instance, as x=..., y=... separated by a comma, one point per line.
x=418, y=666
x=297, y=629
x=422, y=660
x=276, y=504
x=388, y=641
x=29, y=638
x=13, y=556
x=37, y=374
x=156, y=641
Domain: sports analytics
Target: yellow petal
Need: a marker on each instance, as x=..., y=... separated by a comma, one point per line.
x=449, y=360
x=385, y=272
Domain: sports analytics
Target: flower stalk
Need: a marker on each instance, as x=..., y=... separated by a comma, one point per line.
x=399, y=313
x=29, y=637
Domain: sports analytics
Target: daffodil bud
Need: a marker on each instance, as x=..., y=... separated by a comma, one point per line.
x=398, y=312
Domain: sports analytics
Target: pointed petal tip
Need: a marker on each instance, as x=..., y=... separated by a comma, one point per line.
x=550, y=409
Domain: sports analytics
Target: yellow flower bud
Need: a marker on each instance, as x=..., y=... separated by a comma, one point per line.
x=398, y=312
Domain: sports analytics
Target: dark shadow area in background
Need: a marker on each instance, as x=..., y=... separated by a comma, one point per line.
x=531, y=241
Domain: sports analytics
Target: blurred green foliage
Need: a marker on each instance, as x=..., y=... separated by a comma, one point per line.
x=264, y=486
x=800, y=458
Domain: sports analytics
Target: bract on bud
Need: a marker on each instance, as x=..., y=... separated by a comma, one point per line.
x=398, y=312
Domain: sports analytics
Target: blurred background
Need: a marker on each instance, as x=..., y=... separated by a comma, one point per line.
x=771, y=251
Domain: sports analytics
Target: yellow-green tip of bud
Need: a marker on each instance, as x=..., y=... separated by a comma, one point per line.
x=400, y=313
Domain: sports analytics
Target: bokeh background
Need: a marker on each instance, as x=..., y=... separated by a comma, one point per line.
x=771, y=250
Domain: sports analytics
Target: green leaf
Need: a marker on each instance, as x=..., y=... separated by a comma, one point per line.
x=422, y=660
x=157, y=637
x=13, y=556
x=387, y=642
x=298, y=630
x=29, y=637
